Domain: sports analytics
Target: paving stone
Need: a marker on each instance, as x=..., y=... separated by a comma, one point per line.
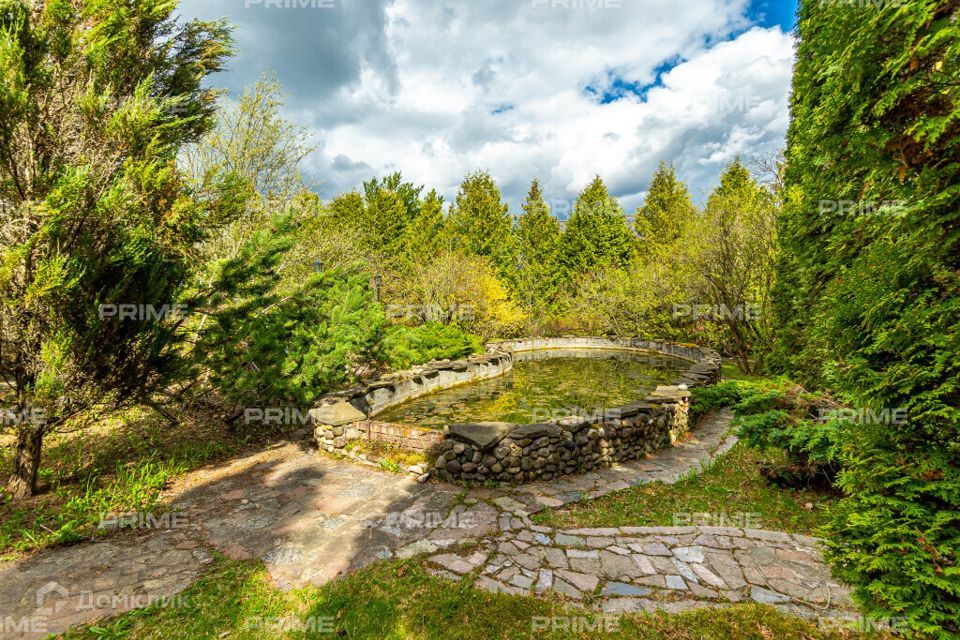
x=622, y=589
x=580, y=553
x=586, y=565
x=689, y=554
x=684, y=570
x=765, y=596
x=581, y=581
x=510, y=504
x=626, y=605
x=653, y=549
x=489, y=584
x=615, y=566
x=453, y=562
x=565, y=540
x=522, y=581
x=708, y=576
x=651, y=581
x=566, y=589
x=598, y=543
x=542, y=539
x=675, y=582
x=545, y=580
x=607, y=531
x=643, y=563
x=416, y=548
x=527, y=561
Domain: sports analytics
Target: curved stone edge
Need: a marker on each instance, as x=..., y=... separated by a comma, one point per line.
x=511, y=452
x=543, y=451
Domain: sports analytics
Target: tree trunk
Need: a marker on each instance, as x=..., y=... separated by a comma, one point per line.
x=26, y=463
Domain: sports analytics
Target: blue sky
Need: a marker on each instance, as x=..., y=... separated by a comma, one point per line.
x=769, y=13
x=561, y=90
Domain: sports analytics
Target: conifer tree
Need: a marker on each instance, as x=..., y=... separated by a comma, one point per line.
x=538, y=240
x=481, y=223
x=597, y=232
x=666, y=210
x=95, y=213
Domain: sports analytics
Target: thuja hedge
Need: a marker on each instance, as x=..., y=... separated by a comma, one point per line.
x=869, y=279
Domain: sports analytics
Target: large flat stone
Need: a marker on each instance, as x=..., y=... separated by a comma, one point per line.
x=622, y=589
x=337, y=414
x=482, y=435
x=535, y=431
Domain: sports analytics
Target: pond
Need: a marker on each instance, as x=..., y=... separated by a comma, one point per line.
x=544, y=385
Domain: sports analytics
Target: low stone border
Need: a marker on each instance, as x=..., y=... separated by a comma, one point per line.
x=511, y=452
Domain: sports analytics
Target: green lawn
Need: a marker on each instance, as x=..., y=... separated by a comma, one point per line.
x=400, y=600
x=730, y=488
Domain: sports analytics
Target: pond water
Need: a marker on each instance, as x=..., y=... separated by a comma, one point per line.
x=544, y=385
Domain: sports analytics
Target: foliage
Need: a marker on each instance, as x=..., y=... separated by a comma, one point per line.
x=426, y=234
x=538, y=248
x=404, y=346
x=462, y=289
x=732, y=250
x=481, y=224
x=296, y=347
x=666, y=210
x=92, y=209
x=597, y=232
x=868, y=299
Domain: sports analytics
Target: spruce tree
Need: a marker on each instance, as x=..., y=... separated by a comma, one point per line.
x=666, y=210
x=481, y=223
x=538, y=240
x=597, y=233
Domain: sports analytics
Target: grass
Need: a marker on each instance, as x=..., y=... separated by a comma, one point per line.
x=729, y=370
x=723, y=493
x=388, y=456
x=401, y=600
x=121, y=465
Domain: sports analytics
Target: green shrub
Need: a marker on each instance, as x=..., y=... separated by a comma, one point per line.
x=717, y=396
x=404, y=346
x=868, y=297
x=299, y=346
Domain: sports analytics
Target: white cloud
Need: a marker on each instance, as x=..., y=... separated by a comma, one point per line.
x=440, y=89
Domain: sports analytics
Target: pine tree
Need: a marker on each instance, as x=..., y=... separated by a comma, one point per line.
x=426, y=234
x=481, y=224
x=538, y=240
x=597, y=232
x=666, y=210
x=95, y=213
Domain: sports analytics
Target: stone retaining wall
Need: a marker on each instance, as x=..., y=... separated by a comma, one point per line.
x=512, y=452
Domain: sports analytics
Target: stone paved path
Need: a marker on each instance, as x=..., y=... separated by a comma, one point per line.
x=626, y=569
x=311, y=518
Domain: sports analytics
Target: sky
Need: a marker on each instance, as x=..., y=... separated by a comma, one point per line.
x=560, y=90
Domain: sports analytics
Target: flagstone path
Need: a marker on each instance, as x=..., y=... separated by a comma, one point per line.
x=310, y=518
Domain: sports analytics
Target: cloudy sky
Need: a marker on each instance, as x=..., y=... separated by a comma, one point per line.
x=556, y=89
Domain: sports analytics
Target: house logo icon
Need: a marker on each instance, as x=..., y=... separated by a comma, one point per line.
x=55, y=594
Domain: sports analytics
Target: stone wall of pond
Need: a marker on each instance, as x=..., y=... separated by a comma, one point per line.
x=515, y=452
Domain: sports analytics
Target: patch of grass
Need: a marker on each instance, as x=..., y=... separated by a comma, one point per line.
x=730, y=371
x=122, y=464
x=730, y=487
x=389, y=456
x=400, y=600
